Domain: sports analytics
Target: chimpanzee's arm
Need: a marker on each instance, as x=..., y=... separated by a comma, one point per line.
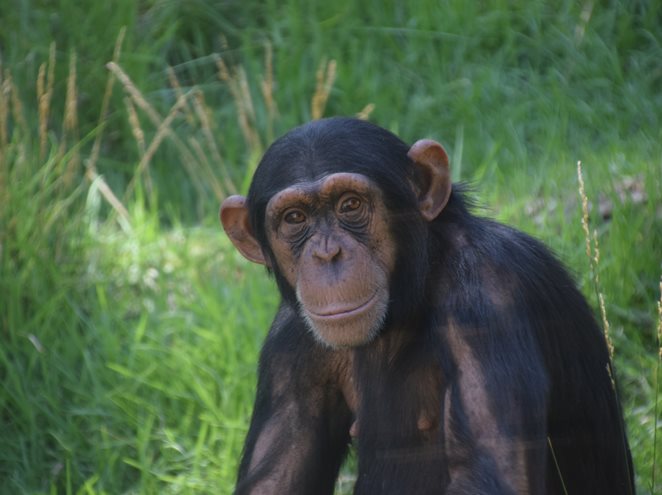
x=495, y=425
x=496, y=402
x=530, y=406
x=299, y=432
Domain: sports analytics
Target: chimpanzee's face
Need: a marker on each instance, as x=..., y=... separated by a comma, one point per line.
x=331, y=241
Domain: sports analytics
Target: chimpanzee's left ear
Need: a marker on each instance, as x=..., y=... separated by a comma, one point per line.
x=435, y=187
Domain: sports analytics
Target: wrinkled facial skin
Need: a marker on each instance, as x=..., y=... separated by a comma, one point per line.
x=331, y=241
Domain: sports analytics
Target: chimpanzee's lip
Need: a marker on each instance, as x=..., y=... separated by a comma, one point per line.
x=339, y=312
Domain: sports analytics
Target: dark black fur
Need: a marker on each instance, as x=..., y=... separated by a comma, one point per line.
x=541, y=354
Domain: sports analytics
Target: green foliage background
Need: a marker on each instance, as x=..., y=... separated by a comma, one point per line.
x=129, y=331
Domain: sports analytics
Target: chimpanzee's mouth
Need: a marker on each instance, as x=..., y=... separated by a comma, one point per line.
x=342, y=311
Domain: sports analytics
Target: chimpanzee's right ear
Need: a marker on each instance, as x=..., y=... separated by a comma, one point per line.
x=234, y=218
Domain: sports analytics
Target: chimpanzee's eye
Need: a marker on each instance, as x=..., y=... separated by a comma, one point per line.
x=350, y=204
x=294, y=217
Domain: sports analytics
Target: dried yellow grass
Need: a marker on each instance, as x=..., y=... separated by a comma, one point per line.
x=44, y=98
x=200, y=153
x=202, y=156
x=325, y=76
x=161, y=133
x=192, y=106
x=187, y=159
x=16, y=105
x=659, y=323
x=237, y=82
x=4, y=117
x=267, y=87
x=134, y=92
x=593, y=255
x=584, y=18
x=4, y=113
x=134, y=123
x=43, y=105
x=70, y=123
x=203, y=113
x=658, y=364
x=91, y=162
x=366, y=112
x=177, y=87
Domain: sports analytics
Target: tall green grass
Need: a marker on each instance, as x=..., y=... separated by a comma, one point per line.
x=129, y=327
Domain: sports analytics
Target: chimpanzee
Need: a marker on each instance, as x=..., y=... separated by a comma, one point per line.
x=456, y=351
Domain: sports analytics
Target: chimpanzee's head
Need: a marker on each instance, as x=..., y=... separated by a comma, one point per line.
x=339, y=209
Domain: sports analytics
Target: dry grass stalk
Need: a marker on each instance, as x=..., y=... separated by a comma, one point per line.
x=16, y=105
x=556, y=465
x=584, y=199
x=246, y=97
x=223, y=70
x=161, y=133
x=108, y=193
x=4, y=112
x=136, y=128
x=267, y=87
x=70, y=124
x=593, y=255
x=657, y=387
x=138, y=134
x=238, y=85
x=225, y=45
x=203, y=160
x=326, y=75
x=177, y=87
x=44, y=98
x=584, y=18
x=4, y=169
x=187, y=158
x=202, y=111
x=43, y=105
x=50, y=82
x=601, y=299
x=91, y=163
x=134, y=92
x=365, y=113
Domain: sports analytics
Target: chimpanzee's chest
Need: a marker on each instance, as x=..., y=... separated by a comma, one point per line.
x=397, y=427
x=396, y=399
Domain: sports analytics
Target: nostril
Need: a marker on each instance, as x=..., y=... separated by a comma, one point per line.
x=334, y=252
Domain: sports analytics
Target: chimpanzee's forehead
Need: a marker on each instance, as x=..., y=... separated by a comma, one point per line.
x=316, y=150
x=316, y=168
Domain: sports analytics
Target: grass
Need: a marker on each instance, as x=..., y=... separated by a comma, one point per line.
x=130, y=327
